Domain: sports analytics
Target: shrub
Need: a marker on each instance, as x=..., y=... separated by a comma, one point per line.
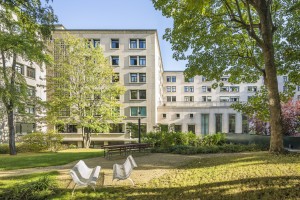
x=43, y=188
x=36, y=142
x=213, y=139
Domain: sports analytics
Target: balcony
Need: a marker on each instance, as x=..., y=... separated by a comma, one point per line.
x=200, y=104
x=105, y=137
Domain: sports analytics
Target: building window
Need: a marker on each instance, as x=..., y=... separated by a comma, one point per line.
x=189, y=80
x=178, y=128
x=285, y=79
x=234, y=89
x=178, y=115
x=164, y=116
x=96, y=42
x=204, y=124
x=20, y=69
x=142, y=43
x=224, y=99
x=171, y=98
x=142, y=77
x=224, y=89
x=31, y=91
x=114, y=43
x=138, y=111
x=116, y=78
x=137, y=60
x=137, y=43
x=115, y=60
x=191, y=128
x=231, y=124
x=206, y=98
x=171, y=79
x=298, y=97
x=218, y=123
x=171, y=88
x=203, y=78
x=189, y=98
x=298, y=87
x=234, y=99
x=191, y=115
x=188, y=88
x=206, y=88
x=30, y=72
x=284, y=88
x=137, y=77
x=137, y=94
x=245, y=124
x=252, y=88
x=30, y=109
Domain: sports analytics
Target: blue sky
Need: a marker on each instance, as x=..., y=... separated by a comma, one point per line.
x=117, y=14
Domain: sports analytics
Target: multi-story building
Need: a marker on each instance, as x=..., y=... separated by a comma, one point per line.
x=136, y=59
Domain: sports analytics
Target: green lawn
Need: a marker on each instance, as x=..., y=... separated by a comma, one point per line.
x=232, y=176
x=29, y=160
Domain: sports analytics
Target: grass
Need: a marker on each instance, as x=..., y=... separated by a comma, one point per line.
x=29, y=160
x=232, y=176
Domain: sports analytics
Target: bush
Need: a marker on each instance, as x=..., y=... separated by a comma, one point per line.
x=40, y=189
x=213, y=139
x=36, y=142
x=225, y=148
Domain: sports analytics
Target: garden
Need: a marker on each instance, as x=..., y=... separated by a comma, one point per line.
x=180, y=166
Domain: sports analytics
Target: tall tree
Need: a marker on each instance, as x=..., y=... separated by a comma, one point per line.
x=83, y=88
x=25, y=26
x=244, y=38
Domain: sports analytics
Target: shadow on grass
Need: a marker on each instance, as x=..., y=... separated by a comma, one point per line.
x=286, y=187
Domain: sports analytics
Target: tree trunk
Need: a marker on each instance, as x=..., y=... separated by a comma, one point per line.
x=276, y=143
x=11, y=128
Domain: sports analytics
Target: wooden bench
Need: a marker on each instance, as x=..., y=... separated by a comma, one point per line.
x=125, y=149
x=123, y=172
x=82, y=175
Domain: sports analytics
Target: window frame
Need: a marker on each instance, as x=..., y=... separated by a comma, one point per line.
x=112, y=40
x=112, y=59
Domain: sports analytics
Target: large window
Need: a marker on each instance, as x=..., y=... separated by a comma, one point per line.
x=178, y=128
x=30, y=72
x=115, y=60
x=137, y=43
x=116, y=78
x=204, y=124
x=137, y=94
x=230, y=89
x=30, y=109
x=245, y=124
x=218, y=123
x=171, y=88
x=114, y=43
x=189, y=80
x=231, y=123
x=171, y=98
x=96, y=42
x=206, y=98
x=138, y=111
x=22, y=128
x=206, y=88
x=138, y=77
x=137, y=60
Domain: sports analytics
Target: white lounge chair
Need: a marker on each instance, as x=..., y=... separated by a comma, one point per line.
x=122, y=172
x=82, y=175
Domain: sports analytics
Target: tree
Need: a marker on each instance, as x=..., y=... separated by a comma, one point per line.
x=25, y=26
x=82, y=87
x=244, y=38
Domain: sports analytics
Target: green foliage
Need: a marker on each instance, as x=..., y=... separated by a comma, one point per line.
x=213, y=139
x=40, y=189
x=168, y=139
x=80, y=83
x=36, y=142
x=225, y=148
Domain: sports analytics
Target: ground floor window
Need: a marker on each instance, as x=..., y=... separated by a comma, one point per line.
x=117, y=128
x=204, y=124
x=178, y=128
x=191, y=128
x=232, y=122
x=22, y=128
x=133, y=128
x=218, y=123
x=245, y=124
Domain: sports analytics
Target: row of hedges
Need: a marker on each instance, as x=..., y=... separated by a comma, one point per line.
x=36, y=142
x=169, y=139
x=225, y=148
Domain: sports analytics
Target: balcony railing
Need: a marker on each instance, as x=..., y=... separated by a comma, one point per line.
x=197, y=103
x=98, y=137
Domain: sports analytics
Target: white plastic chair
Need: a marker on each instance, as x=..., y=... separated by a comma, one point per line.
x=123, y=172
